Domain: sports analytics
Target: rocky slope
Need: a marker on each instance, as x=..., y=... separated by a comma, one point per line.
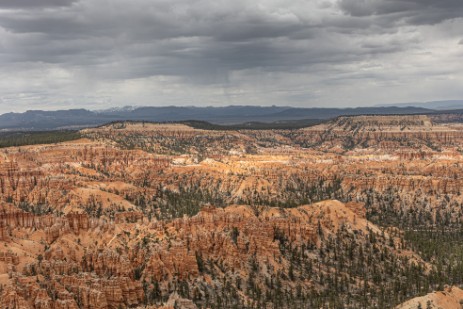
x=388, y=133
x=139, y=214
x=239, y=256
x=450, y=298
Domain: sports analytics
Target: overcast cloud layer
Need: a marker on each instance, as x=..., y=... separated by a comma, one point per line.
x=101, y=53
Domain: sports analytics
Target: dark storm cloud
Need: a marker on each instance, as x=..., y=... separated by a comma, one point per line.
x=34, y=3
x=72, y=46
x=412, y=11
x=183, y=42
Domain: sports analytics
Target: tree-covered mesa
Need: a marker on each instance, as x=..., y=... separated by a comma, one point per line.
x=10, y=139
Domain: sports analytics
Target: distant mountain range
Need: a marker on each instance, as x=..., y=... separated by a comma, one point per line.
x=79, y=118
x=436, y=105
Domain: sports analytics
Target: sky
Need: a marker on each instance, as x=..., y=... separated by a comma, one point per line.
x=97, y=54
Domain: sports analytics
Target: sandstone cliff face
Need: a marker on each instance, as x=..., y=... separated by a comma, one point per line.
x=201, y=252
x=266, y=167
x=65, y=292
x=450, y=298
x=112, y=221
x=387, y=133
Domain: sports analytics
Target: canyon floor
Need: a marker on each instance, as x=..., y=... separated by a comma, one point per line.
x=357, y=212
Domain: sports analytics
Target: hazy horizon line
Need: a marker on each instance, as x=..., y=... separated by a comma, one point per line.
x=133, y=107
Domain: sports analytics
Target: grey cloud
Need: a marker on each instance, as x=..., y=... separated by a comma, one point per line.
x=214, y=45
x=411, y=11
x=189, y=46
x=375, y=7
x=150, y=43
x=15, y=4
